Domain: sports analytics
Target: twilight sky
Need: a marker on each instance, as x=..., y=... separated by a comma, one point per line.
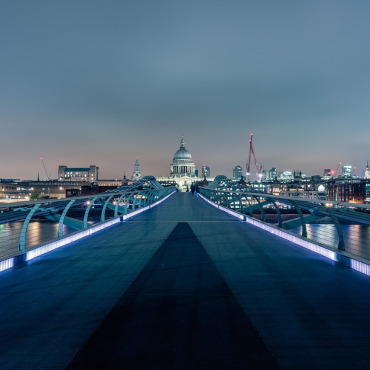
x=105, y=82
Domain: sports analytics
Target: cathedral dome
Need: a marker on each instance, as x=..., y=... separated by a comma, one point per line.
x=182, y=153
x=182, y=164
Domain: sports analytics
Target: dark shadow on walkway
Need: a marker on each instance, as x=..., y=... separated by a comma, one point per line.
x=178, y=314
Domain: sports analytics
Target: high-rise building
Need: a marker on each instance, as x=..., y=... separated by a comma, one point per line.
x=136, y=175
x=271, y=174
x=88, y=174
x=347, y=171
x=328, y=174
x=237, y=172
x=206, y=172
x=298, y=175
x=286, y=176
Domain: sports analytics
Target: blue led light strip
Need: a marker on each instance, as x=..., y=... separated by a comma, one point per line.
x=6, y=264
x=335, y=255
x=42, y=249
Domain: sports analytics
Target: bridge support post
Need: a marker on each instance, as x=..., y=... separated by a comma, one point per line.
x=117, y=205
x=303, y=222
x=151, y=196
x=250, y=206
x=341, y=245
x=217, y=199
x=102, y=217
x=61, y=221
x=241, y=204
x=261, y=208
x=22, y=239
x=231, y=200
x=135, y=201
x=141, y=201
x=86, y=215
x=147, y=198
x=210, y=195
x=128, y=202
x=280, y=220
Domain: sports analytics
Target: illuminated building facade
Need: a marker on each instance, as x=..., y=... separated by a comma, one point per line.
x=89, y=174
x=237, y=172
x=348, y=190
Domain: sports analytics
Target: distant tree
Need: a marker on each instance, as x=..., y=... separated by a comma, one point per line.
x=35, y=196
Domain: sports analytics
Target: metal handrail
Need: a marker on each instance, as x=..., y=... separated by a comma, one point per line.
x=58, y=210
x=318, y=208
x=52, y=200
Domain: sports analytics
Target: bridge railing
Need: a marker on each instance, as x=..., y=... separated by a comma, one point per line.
x=24, y=225
x=335, y=224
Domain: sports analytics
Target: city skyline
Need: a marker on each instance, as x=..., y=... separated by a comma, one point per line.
x=44, y=171
x=105, y=83
x=53, y=175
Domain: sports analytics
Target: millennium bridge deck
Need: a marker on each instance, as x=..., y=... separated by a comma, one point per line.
x=184, y=285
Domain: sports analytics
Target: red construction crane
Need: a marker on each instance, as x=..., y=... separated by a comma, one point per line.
x=336, y=171
x=47, y=175
x=258, y=167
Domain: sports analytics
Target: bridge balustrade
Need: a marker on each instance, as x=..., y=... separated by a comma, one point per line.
x=327, y=222
x=24, y=225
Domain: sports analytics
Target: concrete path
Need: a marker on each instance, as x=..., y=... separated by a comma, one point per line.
x=184, y=286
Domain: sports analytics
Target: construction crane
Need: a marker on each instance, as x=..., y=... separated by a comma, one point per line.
x=336, y=171
x=258, y=167
x=43, y=163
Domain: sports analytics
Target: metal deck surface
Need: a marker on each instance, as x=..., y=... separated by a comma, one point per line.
x=170, y=286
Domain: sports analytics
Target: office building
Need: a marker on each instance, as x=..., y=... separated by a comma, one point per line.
x=206, y=172
x=237, y=172
x=87, y=174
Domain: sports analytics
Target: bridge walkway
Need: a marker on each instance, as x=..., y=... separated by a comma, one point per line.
x=184, y=285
